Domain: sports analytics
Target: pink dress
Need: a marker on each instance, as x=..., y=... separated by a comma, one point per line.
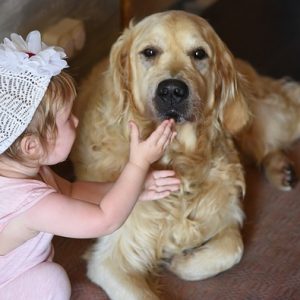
x=17, y=196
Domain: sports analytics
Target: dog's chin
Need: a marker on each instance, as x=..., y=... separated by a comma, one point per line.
x=172, y=114
x=176, y=116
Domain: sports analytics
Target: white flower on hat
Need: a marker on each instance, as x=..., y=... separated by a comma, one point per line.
x=26, y=68
x=32, y=54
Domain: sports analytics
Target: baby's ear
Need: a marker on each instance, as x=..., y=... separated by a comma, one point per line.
x=31, y=146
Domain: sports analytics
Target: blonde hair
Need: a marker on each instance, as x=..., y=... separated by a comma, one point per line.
x=61, y=91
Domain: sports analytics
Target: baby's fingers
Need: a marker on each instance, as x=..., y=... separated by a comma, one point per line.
x=154, y=195
x=174, y=133
x=165, y=177
x=166, y=136
x=161, y=195
x=134, y=133
x=163, y=173
x=160, y=131
x=170, y=188
x=167, y=181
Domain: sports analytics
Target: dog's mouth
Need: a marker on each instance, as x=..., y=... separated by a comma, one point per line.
x=175, y=115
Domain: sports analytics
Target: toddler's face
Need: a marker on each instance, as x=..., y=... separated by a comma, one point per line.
x=66, y=124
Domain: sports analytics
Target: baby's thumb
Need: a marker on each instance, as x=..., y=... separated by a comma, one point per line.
x=134, y=133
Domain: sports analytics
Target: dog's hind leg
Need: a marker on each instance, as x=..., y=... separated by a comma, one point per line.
x=117, y=283
x=279, y=170
x=219, y=254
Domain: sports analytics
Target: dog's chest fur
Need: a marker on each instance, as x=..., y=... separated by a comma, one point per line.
x=212, y=184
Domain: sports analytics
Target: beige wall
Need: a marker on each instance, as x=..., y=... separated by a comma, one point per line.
x=101, y=20
x=142, y=8
x=100, y=17
x=25, y=15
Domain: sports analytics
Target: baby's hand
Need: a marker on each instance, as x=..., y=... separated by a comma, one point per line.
x=144, y=153
x=159, y=184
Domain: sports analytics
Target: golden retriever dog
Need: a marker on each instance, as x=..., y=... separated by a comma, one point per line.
x=173, y=65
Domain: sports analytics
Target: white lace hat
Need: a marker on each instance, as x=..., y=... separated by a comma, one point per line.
x=26, y=67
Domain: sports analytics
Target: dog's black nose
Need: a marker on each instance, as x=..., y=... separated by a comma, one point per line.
x=172, y=91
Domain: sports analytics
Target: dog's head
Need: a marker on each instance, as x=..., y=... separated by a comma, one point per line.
x=173, y=65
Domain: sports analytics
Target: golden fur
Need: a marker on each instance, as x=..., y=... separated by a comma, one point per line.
x=195, y=232
x=275, y=107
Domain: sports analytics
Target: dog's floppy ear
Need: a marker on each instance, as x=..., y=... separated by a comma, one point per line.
x=119, y=71
x=230, y=92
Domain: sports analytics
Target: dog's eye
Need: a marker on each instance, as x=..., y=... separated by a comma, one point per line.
x=149, y=52
x=199, y=54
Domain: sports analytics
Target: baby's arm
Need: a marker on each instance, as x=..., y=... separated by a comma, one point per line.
x=88, y=191
x=158, y=184
x=122, y=196
x=62, y=215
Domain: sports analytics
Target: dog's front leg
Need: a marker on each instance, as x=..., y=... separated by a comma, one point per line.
x=118, y=284
x=219, y=254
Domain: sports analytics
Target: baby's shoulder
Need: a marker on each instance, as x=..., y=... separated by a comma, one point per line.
x=18, y=195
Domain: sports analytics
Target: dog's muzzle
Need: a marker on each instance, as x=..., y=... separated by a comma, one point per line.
x=171, y=99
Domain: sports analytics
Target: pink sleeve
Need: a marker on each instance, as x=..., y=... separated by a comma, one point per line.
x=18, y=197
